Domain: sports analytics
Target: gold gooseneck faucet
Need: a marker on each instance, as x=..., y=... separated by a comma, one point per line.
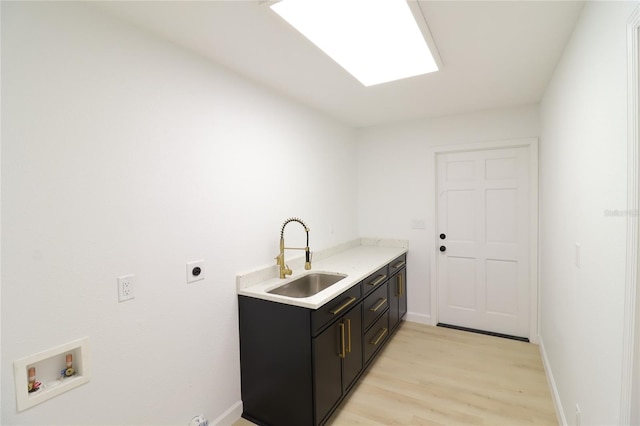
x=284, y=269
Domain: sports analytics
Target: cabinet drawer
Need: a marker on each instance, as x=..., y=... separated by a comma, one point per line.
x=333, y=309
x=397, y=264
x=375, y=280
x=375, y=304
x=375, y=338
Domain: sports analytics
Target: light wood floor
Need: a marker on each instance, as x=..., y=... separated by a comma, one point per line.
x=437, y=376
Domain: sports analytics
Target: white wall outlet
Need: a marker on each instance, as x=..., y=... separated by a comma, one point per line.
x=126, y=288
x=195, y=271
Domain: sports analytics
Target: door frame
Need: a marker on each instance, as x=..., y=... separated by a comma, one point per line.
x=630, y=392
x=532, y=145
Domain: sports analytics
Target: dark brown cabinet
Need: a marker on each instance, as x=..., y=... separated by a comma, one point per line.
x=352, y=350
x=337, y=355
x=397, y=292
x=276, y=362
x=298, y=364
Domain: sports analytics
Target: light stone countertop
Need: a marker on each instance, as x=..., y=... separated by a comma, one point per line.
x=357, y=259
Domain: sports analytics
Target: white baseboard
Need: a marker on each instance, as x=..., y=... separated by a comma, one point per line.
x=230, y=416
x=562, y=420
x=419, y=318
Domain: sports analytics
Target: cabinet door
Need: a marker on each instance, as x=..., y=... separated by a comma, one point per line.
x=338, y=360
x=394, y=291
x=352, y=362
x=327, y=376
x=402, y=297
x=397, y=298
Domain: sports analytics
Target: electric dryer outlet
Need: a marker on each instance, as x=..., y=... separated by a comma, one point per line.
x=195, y=271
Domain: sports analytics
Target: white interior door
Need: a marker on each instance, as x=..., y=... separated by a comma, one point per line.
x=483, y=240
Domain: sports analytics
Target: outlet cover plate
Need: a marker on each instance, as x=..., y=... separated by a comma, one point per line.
x=195, y=271
x=126, y=288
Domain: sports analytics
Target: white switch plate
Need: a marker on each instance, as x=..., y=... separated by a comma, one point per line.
x=577, y=260
x=195, y=271
x=418, y=224
x=126, y=288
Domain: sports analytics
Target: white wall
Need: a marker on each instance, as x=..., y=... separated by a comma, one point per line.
x=122, y=154
x=393, y=172
x=583, y=174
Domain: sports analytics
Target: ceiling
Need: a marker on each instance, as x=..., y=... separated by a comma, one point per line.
x=495, y=54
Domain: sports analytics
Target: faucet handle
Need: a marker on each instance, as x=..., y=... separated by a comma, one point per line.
x=308, y=255
x=284, y=271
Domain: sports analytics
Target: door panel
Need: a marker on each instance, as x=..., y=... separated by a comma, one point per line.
x=460, y=170
x=501, y=168
x=483, y=202
x=461, y=220
x=461, y=280
x=502, y=215
x=502, y=293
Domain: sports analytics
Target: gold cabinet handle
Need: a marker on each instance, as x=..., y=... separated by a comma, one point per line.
x=342, y=352
x=378, y=280
x=348, y=336
x=379, y=305
x=343, y=306
x=383, y=333
x=399, y=281
x=399, y=265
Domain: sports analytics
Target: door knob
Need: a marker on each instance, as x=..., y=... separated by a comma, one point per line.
x=443, y=236
x=443, y=248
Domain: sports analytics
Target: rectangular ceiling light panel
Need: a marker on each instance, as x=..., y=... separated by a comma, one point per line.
x=376, y=41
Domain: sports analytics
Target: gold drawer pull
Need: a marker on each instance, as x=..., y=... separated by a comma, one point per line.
x=343, y=306
x=375, y=341
x=379, y=305
x=399, y=264
x=378, y=280
x=342, y=353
